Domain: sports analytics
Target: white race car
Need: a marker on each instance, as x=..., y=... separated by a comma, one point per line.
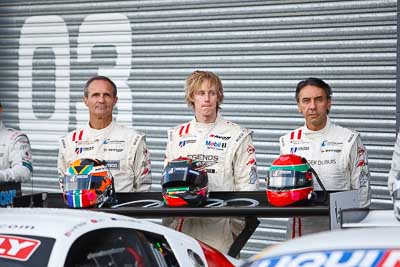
x=351, y=248
x=66, y=237
x=371, y=241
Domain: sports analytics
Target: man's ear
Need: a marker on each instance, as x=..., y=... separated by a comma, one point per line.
x=298, y=108
x=115, y=101
x=329, y=104
x=85, y=100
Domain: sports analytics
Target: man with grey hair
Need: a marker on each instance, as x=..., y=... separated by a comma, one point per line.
x=15, y=155
x=124, y=149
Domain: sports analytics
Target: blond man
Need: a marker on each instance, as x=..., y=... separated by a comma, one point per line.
x=224, y=149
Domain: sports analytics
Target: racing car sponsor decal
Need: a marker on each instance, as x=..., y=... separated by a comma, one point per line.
x=253, y=175
x=350, y=138
x=219, y=136
x=294, y=149
x=17, y=248
x=7, y=196
x=69, y=232
x=203, y=157
x=364, y=178
x=328, y=146
x=115, y=149
x=322, y=162
x=326, y=143
x=250, y=149
x=109, y=142
x=185, y=142
x=75, y=227
x=182, y=143
x=113, y=164
x=360, y=151
x=86, y=142
x=215, y=145
x=80, y=150
x=239, y=137
x=345, y=257
x=17, y=226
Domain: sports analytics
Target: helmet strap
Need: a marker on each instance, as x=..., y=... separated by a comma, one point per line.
x=324, y=193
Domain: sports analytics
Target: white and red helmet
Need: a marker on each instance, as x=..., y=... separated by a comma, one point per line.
x=290, y=180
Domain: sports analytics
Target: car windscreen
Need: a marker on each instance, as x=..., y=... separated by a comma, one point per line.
x=25, y=250
x=120, y=247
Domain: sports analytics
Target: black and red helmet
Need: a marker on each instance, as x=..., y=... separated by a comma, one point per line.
x=290, y=180
x=184, y=183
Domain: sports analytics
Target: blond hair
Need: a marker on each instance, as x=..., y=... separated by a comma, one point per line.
x=194, y=82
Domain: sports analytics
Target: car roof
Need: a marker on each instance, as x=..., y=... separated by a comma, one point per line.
x=57, y=223
x=360, y=238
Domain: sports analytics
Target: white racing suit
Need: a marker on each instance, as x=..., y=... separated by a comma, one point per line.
x=227, y=152
x=123, y=149
x=394, y=173
x=340, y=160
x=15, y=156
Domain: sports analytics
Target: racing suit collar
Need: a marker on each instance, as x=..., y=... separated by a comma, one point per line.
x=102, y=132
x=200, y=125
x=322, y=131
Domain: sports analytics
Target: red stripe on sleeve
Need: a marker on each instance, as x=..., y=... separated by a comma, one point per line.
x=187, y=128
x=80, y=135
x=291, y=135
x=73, y=136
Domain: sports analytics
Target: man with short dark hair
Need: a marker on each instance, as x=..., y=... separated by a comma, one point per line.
x=15, y=155
x=336, y=153
x=124, y=149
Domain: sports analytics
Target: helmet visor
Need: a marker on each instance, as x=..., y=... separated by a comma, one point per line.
x=288, y=179
x=175, y=174
x=82, y=181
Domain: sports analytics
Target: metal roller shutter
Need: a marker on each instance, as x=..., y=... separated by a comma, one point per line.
x=260, y=49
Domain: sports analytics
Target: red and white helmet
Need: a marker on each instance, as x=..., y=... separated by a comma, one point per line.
x=290, y=180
